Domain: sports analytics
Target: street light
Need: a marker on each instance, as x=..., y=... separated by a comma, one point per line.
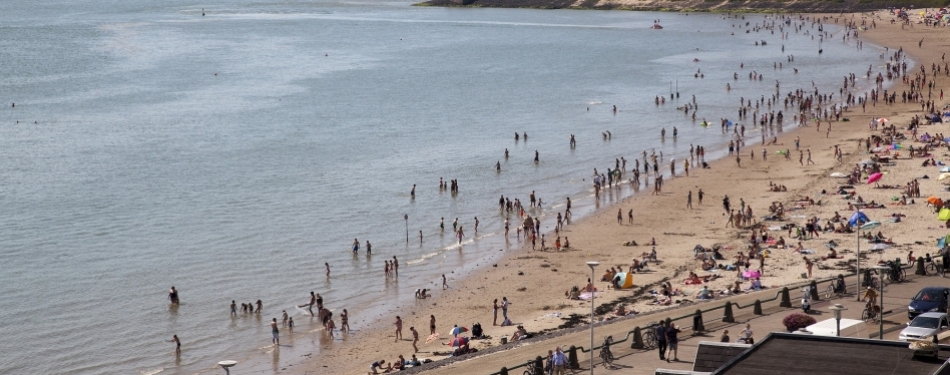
x=880, y=320
x=592, y=264
x=837, y=309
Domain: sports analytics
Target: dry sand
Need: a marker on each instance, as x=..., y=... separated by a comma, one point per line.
x=535, y=281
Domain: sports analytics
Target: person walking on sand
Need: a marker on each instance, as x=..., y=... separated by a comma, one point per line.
x=290, y=325
x=415, y=339
x=330, y=327
x=809, y=157
x=398, y=325
x=808, y=265
x=630, y=217
x=431, y=324
x=444, y=284
x=699, y=195
x=620, y=216
x=689, y=200
x=275, y=333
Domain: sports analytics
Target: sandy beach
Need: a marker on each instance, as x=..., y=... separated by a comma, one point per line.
x=535, y=282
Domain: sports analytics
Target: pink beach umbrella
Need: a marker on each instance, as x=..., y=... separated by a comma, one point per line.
x=751, y=274
x=874, y=177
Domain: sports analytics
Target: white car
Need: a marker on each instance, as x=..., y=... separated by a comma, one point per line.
x=924, y=325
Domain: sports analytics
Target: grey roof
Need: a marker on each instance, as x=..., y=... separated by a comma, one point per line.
x=712, y=355
x=784, y=353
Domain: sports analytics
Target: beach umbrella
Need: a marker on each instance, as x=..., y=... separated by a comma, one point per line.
x=459, y=341
x=457, y=330
x=433, y=337
x=883, y=120
x=751, y=274
x=874, y=177
x=858, y=218
x=944, y=214
x=934, y=201
x=943, y=176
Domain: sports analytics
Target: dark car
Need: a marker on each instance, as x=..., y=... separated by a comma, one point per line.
x=929, y=299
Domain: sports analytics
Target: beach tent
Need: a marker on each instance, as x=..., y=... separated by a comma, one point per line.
x=626, y=280
x=858, y=218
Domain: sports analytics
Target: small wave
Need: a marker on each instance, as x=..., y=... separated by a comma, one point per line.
x=595, y=103
x=151, y=372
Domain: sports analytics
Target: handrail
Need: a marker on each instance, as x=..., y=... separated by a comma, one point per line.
x=626, y=338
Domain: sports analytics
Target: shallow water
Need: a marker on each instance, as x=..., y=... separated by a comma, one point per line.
x=232, y=154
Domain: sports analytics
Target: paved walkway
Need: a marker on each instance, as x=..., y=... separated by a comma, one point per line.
x=632, y=361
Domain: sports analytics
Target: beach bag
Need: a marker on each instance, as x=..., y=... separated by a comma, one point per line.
x=507, y=322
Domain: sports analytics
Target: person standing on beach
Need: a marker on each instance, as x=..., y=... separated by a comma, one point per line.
x=476, y=225
x=494, y=312
x=415, y=339
x=233, y=308
x=260, y=306
x=328, y=268
x=689, y=200
x=725, y=204
x=660, y=331
x=536, y=156
x=630, y=217
x=275, y=333
x=356, y=246
x=413, y=191
x=431, y=324
x=395, y=266
x=290, y=325
x=313, y=301
x=808, y=265
x=700, y=196
x=284, y=316
x=369, y=248
x=398, y=325
x=504, y=307
x=620, y=216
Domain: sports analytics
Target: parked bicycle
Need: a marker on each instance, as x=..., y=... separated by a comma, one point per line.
x=837, y=287
x=649, y=338
x=605, y=353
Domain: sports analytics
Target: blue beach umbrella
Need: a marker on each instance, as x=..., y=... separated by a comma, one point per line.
x=858, y=218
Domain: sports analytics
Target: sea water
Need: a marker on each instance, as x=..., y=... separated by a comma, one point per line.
x=232, y=148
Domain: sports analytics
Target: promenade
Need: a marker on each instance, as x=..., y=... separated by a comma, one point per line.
x=635, y=361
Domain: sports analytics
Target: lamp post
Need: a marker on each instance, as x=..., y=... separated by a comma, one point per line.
x=837, y=309
x=406, y=217
x=592, y=265
x=880, y=320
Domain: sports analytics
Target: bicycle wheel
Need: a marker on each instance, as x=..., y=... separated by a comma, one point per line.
x=902, y=274
x=829, y=291
x=649, y=340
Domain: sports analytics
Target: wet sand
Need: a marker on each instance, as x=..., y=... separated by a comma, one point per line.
x=535, y=281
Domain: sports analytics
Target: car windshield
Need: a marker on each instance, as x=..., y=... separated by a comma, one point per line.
x=929, y=295
x=925, y=322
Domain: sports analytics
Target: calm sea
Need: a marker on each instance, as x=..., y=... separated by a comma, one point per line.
x=231, y=154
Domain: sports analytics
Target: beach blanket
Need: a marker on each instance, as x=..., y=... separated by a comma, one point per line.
x=586, y=296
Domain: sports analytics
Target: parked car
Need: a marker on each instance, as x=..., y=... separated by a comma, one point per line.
x=929, y=299
x=926, y=324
